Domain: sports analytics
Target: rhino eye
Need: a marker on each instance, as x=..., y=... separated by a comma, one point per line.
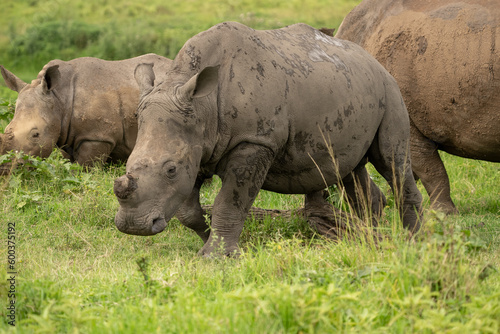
x=170, y=169
x=35, y=134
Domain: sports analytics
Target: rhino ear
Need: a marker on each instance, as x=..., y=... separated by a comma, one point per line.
x=51, y=78
x=201, y=84
x=11, y=80
x=145, y=77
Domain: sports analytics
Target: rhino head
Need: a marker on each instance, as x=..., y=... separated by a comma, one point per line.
x=36, y=125
x=165, y=162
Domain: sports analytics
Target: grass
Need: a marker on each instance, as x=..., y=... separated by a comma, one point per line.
x=77, y=273
x=35, y=32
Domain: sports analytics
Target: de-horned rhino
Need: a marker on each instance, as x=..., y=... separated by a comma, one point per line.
x=288, y=110
x=84, y=106
x=445, y=56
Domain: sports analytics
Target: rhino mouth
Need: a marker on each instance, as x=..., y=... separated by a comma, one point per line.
x=147, y=225
x=159, y=225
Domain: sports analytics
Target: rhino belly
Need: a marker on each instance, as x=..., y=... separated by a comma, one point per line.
x=303, y=172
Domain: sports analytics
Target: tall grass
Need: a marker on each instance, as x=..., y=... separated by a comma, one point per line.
x=77, y=273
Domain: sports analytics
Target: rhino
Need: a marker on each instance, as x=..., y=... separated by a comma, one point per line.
x=290, y=110
x=445, y=57
x=84, y=106
x=87, y=106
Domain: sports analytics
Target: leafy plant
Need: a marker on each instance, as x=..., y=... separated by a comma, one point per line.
x=7, y=109
x=55, y=170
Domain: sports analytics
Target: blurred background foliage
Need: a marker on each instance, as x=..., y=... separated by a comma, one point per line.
x=33, y=32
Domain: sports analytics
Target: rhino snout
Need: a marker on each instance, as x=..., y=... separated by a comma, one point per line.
x=150, y=224
x=124, y=186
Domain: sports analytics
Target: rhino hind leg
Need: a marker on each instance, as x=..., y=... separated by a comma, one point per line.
x=429, y=168
x=389, y=154
x=332, y=222
x=363, y=195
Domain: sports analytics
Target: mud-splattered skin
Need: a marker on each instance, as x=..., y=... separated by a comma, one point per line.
x=85, y=106
x=445, y=57
x=261, y=109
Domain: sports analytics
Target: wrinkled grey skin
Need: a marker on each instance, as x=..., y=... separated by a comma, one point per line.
x=445, y=57
x=84, y=106
x=261, y=109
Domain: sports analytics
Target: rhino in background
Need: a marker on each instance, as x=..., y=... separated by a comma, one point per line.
x=445, y=56
x=85, y=106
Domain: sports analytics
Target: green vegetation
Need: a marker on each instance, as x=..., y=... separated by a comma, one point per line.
x=34, y=32
x=77, y=274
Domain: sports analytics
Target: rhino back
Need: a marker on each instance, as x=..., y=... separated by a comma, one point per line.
x=445, y=56
x=104, y=99
x=295, y=91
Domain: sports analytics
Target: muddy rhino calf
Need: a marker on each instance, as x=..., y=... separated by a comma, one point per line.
x=263, y=110
x=84, y=106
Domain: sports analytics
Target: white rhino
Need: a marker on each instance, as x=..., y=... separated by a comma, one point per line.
x=84, y=106
x=445, y=56
x=290, y=110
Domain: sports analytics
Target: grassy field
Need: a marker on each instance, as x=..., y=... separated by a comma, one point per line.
x=77, y=274
x=34, y=32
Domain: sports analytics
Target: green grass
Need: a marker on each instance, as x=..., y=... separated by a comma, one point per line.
x=35, y=32
x=77, y=273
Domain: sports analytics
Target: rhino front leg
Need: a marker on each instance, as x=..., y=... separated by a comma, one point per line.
x=90, y=152
x=243, y=174
x=428, y=166
x=191, y=214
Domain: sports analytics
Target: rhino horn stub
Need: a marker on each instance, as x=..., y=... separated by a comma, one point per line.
x=6, y=142
x=124, y=186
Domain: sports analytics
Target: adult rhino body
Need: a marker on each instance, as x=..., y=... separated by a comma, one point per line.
x=84, y=106
x=445, y=56
x=263, y=110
